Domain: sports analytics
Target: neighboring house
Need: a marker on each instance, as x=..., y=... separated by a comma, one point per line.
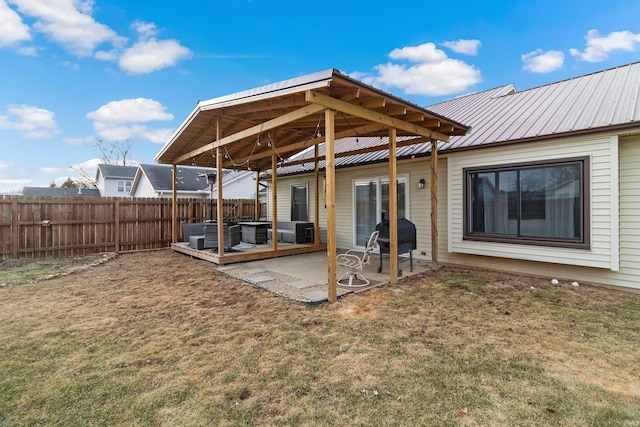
x=237, y=185
x=60, y=191
x=155, y=181
x=115, y=180
x=547, y=182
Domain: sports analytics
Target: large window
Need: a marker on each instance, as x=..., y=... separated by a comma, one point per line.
x=535, y=203
x=299, y=205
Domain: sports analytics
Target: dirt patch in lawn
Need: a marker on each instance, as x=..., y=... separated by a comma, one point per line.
x=29, y=270
x=158, y=338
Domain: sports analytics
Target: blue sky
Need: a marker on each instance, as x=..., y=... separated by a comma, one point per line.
x=73, y=72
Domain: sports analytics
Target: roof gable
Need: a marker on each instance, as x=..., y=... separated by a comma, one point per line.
x=116, y=171
x=285, y=118
x=188, y=178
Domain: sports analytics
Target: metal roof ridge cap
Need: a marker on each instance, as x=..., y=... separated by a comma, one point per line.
x=301, y=81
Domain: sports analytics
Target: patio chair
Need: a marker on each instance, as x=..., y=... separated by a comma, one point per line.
x=354, y=264
x=232, y=235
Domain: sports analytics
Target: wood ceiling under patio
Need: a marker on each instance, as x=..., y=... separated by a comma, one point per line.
x=285, y=118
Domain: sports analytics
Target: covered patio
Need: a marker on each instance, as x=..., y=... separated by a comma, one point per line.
x=259, y=129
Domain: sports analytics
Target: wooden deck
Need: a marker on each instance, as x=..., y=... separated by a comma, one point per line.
x=248, y=253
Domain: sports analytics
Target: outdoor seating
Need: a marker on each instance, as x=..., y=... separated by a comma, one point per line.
x=355, y=264
x=291, y=231
x=192, y=229
x=232, y=235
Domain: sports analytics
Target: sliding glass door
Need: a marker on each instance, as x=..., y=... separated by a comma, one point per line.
x=371, y=204
x=366, y=207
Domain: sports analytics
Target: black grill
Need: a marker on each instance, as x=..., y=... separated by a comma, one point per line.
x=406, y=240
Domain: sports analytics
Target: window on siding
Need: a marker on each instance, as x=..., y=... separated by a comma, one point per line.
x=534, y=203
x=299, y=206
x=124, y=186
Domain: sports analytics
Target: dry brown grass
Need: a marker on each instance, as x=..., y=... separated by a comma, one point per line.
x=160, y=339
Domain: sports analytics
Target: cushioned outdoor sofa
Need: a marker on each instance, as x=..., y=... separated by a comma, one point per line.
x=293, y=232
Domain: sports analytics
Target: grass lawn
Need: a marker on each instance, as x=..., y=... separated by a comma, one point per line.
x=157, y=338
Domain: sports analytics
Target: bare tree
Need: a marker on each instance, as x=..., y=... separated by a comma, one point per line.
x=113, y=153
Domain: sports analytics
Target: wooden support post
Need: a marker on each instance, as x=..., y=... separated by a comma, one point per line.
x=274, y=202
x=393, y=209
x=15, y=230
x=330, y=169
x=219, y=204
x=435, y=266
x=316, y=216
x=174, y=204
x=256, y=215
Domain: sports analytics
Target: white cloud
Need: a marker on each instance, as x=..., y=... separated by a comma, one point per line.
x=88, y=165
x=13, y=185
x=599, y=47
x=12, y=29
x=146, y=30
x=32, y=122
x=121, y=120
x=69, y=23
x=147, y=56
x=542, y=62
x=5, y=165
x=51, y=171
x=78, y=141
x=432, y=73
x=28, y=51
x=465, y=47
x=131, y=110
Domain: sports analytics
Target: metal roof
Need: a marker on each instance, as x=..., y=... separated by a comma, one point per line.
x=609, y=99
x=288, y=117
x=589, y=103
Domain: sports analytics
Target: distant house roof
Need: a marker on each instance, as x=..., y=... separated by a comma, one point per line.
x=60, y=191
x=188, y=178
x=608, y=99
x=117, y=171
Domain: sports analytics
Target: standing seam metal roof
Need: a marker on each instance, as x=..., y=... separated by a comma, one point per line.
x=589, y=103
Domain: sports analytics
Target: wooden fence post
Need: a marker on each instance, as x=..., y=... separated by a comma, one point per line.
x=15, y=232
x=116, y=213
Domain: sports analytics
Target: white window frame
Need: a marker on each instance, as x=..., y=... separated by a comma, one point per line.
x=304, y=184
x=380, y=179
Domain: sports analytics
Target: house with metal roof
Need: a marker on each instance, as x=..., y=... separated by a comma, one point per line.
x=546, y=182
x=114, y=180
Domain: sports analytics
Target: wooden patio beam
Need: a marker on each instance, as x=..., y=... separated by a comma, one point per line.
x=392, y=122
x=296, y=146
x=252, y=131
x=399, y=144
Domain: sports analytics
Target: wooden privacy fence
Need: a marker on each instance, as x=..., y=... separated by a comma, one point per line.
x=34, y=227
